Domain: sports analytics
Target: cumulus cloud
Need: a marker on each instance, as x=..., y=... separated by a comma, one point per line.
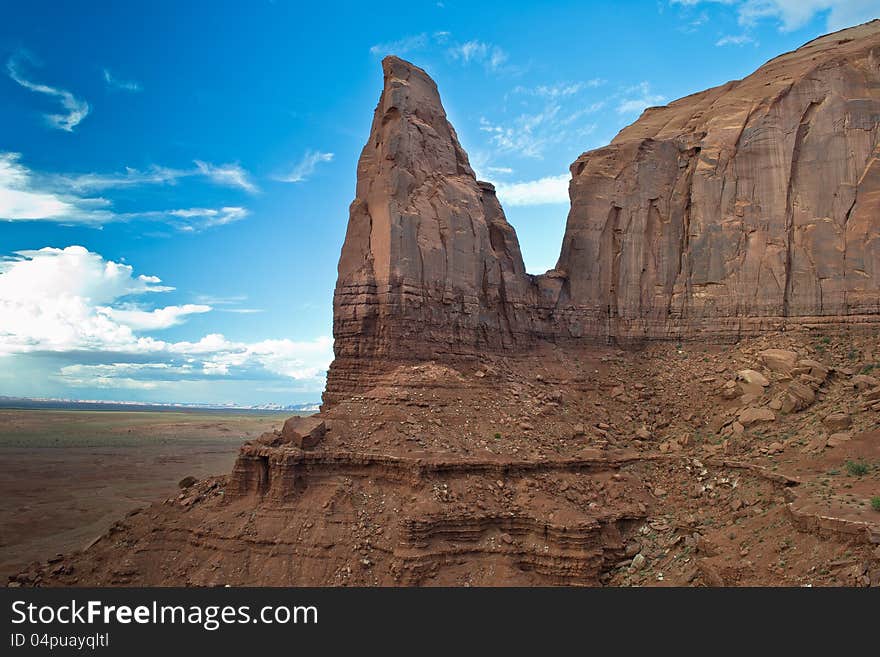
x=75, y=302
x=638, y=98
x=306, y=166
x=75, y=109
x=548, y=190
x=123, y=85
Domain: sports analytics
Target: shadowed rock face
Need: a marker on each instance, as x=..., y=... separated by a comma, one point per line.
x=746, y=207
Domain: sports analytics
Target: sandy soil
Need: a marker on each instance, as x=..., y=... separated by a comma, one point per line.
x=67, y=475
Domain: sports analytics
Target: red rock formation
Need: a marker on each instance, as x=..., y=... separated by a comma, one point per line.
x=742, y=208
x=430, y=265
x=750, y=205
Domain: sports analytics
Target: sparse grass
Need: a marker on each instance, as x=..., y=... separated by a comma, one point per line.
x=875, y=503
x=869, y=368
x=857, y=468
x=825, y=340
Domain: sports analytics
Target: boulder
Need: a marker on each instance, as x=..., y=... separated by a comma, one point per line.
x=837, y=421
x=779, y=360
x=187, y=482
x=814, y=369
x=796, y=397
x=304, y=432
x=837, y=439
x=751, y=416
x=753, y=377
x=863, y=382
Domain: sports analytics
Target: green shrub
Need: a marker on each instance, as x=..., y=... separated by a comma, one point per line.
x=875, y=503
x=857, y=468
x=497, y=436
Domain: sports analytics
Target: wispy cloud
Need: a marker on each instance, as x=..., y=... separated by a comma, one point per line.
x=76, y=109
x=229, y=175
x=22, y=199
x=306, y=166
x=479, y=52
x=401, y=46
x=198, y=219
x=548, y=190
x=123, y=85
x=472, y=51
x=226, y=175
x=734, y=40
x=559, y=89
x=528, y=135
x=25, y=196
x=794, y=14
x=637, y=98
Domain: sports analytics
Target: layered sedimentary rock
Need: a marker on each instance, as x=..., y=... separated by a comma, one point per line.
x=430, y=264
x=750, y=206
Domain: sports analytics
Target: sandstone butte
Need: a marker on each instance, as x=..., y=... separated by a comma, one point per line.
x=747, y=207
x=664, y=406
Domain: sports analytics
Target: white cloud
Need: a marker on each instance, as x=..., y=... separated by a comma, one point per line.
x=76, y=108
x=548, y=190
x=72, y=301
x=794, y=14
x=152, y=320
x=226, y=175
x=19, y=202
x=123, y=85
x=560, y=89
x=84, y=182
x=734, y=40
x=638, y=98
x=401, y=46
x=229, y=175
x=528, y=135
x=26, y=196
x=306, y=166
x=195, y=219
x=480, y=52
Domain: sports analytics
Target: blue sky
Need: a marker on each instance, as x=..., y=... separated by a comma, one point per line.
x=175, y=177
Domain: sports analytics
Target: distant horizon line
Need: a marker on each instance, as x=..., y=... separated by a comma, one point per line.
x=7, y=400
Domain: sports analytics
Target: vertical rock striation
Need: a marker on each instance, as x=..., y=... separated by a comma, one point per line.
x=750, y=206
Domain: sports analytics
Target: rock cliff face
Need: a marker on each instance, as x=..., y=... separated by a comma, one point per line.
x=746, y=206
x=750, y=206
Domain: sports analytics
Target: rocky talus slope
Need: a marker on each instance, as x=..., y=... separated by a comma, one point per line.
x=692, y=396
